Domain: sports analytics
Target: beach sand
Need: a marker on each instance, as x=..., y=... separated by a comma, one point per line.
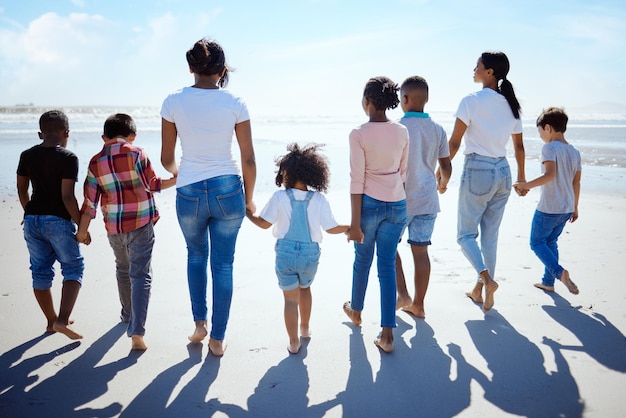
x=534, y=354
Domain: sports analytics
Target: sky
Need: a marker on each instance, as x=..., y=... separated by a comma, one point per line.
x=311, y=57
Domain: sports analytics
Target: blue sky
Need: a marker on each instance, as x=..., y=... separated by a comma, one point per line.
x=311, y=57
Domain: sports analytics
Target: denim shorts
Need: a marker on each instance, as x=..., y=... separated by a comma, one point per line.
x=296, y=263
x=49, y=239
x=421, y=229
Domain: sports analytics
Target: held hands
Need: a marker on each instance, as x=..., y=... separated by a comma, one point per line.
x=520, y=188
x=355, y=233
x=83, y=237
x=442, y=184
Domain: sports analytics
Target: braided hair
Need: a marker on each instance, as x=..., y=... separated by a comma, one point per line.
x=207, y=57
x=382, y=92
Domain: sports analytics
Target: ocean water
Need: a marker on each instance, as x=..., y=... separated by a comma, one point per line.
x=600, y=138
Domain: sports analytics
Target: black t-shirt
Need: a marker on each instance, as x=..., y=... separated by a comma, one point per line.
x=46, y=167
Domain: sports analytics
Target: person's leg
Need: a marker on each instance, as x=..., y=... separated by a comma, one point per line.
x=69, y=294
x=62, y=239
x=291, y=319
x=489, y=228
x=119, y=245
x=42, y=258
x=363, y=257
x=546, y=229
x=420, y=232
x=193, y=218
x=403, y=298
x=140, y=245
x=305, y=304
x=227, y=209
x=476, y=189
x=387, y=237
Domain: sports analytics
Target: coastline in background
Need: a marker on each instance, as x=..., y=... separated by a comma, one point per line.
x=600, y=137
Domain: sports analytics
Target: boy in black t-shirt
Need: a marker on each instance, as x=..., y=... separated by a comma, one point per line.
x=51, y=214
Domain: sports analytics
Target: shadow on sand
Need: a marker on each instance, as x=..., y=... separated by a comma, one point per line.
x=599, y=338
x=520, y=384
x=74, y=385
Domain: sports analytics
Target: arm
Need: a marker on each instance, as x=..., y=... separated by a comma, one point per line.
x=546, y=177
x=257, y=220
x=444, y=172
x=167, y=183
x=520, y=157
x=339, y=229
x=168, y=146
x=243, y=132
x=22, y=190
x=82, y=235
x=455, y=139
x=69, y=199
x=355, y=233
x=576, y=185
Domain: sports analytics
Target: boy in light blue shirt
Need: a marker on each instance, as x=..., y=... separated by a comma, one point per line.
x=560, y=181
x=428, y=145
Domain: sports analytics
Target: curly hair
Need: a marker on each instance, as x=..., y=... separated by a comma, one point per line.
x=382, y=92
x=53, y=121
x=306, y=165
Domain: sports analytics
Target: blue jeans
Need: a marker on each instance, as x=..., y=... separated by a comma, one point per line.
x=382, y=224
x=50, y=238
x=421, y=229
x=211, y=211
x=485, y=189
x=296, y=263
x=544, y=234
x=133, y=258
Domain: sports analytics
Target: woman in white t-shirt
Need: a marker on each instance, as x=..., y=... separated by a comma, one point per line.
x=486, y=119
x=211, y=198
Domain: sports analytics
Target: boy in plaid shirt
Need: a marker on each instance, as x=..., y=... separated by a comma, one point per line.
x=121, y=176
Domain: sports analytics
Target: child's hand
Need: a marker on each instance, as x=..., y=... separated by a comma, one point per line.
x=355, y=234
x=520, y=188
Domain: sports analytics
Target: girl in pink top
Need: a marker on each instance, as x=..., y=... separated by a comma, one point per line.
x=378, y=164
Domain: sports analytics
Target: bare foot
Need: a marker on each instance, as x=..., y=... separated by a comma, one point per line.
x=565, y=279
x=293, y=348
x=415, y=310
x=490, y=289
x=217, y=347
x=66, y=330
x=199, y=333
x=544, y=287
x=355, y=316
x=50, y=327
x=138, y=343
x=305, y=332
x=475, y=297
x=403, y=301
x=385, y=345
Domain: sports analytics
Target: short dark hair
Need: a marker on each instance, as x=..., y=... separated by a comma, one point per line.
x=119, y=124
x=53, y=121
x=207, y=57
x=306, y=165
x=382, y=92
x=555, y=117
x=413, y=83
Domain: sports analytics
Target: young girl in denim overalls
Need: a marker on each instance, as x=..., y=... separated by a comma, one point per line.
x=298, y=215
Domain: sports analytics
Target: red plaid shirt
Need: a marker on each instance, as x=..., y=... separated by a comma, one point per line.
x=122, y=176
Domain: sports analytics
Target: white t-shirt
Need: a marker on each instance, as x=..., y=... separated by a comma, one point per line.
x=557, y=196
x=427, y=143
x=490, y=123
x=205, y=120
x=278, y=212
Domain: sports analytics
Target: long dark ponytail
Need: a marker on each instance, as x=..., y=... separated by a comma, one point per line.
x=499, y=63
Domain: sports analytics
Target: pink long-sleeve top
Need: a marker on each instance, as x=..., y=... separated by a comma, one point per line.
x=378, y=160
